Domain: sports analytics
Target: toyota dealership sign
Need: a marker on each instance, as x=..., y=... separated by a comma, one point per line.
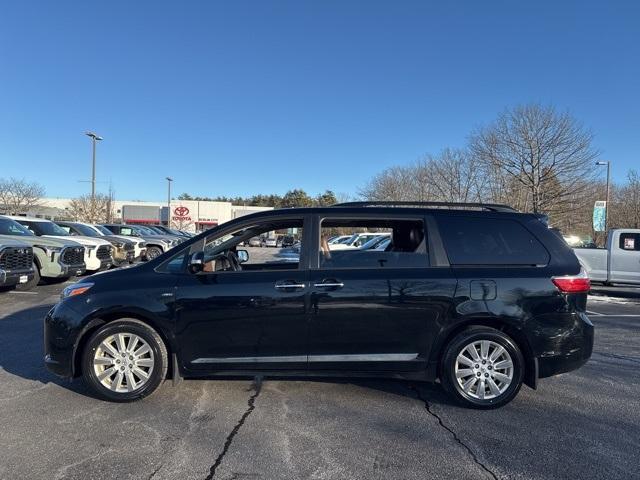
x=181, y=214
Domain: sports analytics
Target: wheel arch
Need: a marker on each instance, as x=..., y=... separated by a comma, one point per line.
x=37, y=252
x=530, y=360
x=103, y=319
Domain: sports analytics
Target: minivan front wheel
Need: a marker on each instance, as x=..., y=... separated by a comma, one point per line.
x=482, y=367
x=124, y=360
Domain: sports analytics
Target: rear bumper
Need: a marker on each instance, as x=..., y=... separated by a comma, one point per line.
x=10, y=278
x=565, y=349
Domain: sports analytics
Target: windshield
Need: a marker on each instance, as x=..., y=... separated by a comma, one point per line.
x=45, y=228
x=11, y=227
x=143, y=230
x=85, y=230
x=103, y=230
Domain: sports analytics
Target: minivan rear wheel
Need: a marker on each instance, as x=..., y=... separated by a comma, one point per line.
x=482, y=368
x=124, y=361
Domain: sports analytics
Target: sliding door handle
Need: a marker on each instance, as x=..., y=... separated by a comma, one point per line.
x=329, y=285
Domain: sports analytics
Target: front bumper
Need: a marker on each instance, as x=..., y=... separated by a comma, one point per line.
x=58, y=342
x=11, y=278
x=95, y=264
x=63, y=327
x=563, y=348
x=72, y=270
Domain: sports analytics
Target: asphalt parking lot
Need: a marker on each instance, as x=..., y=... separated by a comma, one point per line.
x=585, y=424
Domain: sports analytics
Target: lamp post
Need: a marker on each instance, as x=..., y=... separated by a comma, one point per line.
x=94, y=138
x=606, y=210
x=169, y=180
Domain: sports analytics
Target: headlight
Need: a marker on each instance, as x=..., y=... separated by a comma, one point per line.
x=76, y=289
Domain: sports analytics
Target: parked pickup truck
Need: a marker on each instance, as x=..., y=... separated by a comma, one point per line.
x=16, y=263
x=619, y=262
x=52, y=258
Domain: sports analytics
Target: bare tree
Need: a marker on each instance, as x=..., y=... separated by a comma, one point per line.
x=19, y=196
x=395, y=183
x=180, y=223
x=451, y=176
x=549, y=154
x=626, y=206
x=91, y=210
x=454, y=176
x=111, y=196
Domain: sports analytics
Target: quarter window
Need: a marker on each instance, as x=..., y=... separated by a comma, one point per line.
x=373, y=244
x=490, y=241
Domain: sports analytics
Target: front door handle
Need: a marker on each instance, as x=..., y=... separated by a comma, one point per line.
x=289, y=286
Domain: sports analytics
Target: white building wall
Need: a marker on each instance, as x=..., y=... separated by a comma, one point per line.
x=190, y=215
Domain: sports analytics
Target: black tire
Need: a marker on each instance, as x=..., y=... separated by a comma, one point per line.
x=448, y=367
x=127, y=326
x=23, y=287
x=153, y=252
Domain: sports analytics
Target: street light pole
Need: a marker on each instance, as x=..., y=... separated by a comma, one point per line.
x=94, y=138
x=169, y=180
x=606, y=210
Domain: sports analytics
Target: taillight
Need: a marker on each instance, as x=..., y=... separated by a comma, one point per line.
x=573, y=283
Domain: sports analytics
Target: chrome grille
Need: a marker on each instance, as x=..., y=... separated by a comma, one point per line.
x=73, y=256
x=19, y=258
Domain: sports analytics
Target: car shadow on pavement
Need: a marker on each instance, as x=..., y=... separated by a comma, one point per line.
x=21, y=348
x=426, y=392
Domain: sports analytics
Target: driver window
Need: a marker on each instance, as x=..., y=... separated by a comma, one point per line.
x=273, y=245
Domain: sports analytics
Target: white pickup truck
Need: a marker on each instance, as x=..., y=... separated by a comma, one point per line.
x=619, y=262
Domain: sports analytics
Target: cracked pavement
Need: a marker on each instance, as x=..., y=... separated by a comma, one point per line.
x=583, y=424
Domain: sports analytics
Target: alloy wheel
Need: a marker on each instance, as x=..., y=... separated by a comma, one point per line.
x=484, y=369
x=123, y=362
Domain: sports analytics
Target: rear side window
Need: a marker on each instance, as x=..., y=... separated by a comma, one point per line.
x=490, y=241
x=372, y=243
x=630, y=241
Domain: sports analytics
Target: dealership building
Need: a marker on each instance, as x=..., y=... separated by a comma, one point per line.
x=188, y=215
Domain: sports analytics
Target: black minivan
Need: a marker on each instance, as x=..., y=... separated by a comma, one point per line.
x=477, y=296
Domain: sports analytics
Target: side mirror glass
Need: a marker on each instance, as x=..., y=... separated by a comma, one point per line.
x=196, y=262
x=243, y=256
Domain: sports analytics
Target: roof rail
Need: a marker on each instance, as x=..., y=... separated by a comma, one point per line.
x=491, y=207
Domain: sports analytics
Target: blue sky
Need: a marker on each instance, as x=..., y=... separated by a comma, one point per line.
x=240, y=97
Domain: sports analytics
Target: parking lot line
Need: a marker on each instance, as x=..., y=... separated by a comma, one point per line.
x=23, y=293
x=593, y=313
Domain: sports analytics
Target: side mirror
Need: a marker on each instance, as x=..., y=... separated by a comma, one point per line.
x=243, y=256
x=196, y=262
